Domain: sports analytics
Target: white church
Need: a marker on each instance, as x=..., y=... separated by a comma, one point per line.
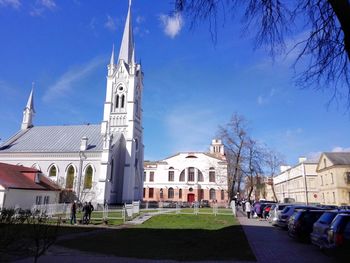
x=102, y=163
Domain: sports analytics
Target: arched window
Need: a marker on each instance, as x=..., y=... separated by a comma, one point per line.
x=212, y=194
x=88, y=177
x=180, y=193
x=171, y=174
x=212, y=175
x=200, y=176
x=201, y=194
x=171, y=193
x=122, y=101
x=52, y=171
x=191, y=174
x=161, y=194
x=182, y=176
x=70, y=177
x=222, y=194
x=117, y=102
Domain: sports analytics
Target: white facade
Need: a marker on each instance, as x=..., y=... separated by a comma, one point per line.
x=109, y=155
x=188, y=177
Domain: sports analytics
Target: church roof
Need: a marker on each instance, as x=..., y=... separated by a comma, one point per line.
x=20, y=177
x=338, y=158
x=55, y=139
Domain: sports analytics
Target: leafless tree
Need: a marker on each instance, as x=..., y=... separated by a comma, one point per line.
x=273, y=162
x=325, y=49
x=234, y=136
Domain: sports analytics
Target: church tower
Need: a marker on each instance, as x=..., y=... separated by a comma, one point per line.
x=123, y=117
x=28, y=113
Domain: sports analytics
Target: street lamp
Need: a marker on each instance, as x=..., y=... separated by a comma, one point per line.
x=82, y=157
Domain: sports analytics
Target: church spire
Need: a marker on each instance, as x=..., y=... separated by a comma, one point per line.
x=111, y=65
x=127, y=45
x=28, y=111
x=112, y=57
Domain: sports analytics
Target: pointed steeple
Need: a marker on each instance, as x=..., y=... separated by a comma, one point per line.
x=127, y=45
x=112, y=57
x=111, y=65
x=28, y=111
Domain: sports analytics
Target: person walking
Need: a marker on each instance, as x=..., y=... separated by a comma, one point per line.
x=73, y=213
x=248, y=208
x=91, y=208
x=86, y=209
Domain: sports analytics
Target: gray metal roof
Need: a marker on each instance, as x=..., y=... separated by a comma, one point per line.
x=338, y=158
x=54, y=139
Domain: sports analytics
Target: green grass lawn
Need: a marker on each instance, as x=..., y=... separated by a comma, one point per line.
x=174, y=237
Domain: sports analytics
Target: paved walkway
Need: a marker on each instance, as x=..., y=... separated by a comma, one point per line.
x=272, y=244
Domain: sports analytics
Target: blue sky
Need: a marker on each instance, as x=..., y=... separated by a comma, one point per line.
x=191, y=85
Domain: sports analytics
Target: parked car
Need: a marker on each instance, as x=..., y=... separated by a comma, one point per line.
x=338, y=240
x=274, y=212
x=286, y=213
x=319, y=233
x=204, y=203
x=301, y=223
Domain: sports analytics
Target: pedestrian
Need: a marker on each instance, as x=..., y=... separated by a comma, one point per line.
x=73, y=213
x=248, y=208
x=86, y=209
x=90, y=210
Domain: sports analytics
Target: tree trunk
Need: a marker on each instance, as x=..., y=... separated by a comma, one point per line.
x=342, y=11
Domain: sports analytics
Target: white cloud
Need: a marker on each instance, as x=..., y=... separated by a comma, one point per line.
x=65, y=83
x=172, y=25
x=262, y=100
x=140, y=19
x=341, y=149
x=111, y=23
x=41, y=6
x=11, y=3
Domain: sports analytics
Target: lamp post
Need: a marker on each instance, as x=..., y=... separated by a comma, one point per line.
x=82, y=157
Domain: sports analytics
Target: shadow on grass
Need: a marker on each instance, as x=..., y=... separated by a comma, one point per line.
x=227, y=243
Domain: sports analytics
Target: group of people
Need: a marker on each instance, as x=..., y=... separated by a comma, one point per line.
x=256, y=209
x=87, y=210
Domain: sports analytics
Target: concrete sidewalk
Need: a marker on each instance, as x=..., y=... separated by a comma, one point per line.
x=272, y=244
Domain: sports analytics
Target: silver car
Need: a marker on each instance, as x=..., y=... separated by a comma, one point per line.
x=274, y=212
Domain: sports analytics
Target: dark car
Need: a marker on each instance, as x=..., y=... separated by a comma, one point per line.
x=301, y=223
x=319, y=233
x=339, y=235
x=286, y=213
x=204, y=203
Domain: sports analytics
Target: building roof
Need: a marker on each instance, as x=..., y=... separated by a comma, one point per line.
x=338, y=158
x=54, y=139
x=20, y=177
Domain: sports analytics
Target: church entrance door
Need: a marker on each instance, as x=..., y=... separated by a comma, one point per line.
x=190, y=198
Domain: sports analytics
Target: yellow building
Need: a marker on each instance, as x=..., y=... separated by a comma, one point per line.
x=333, y=172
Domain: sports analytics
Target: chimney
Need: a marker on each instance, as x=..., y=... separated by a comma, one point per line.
x=302, y=159
x=37, y=178
x=83, y=143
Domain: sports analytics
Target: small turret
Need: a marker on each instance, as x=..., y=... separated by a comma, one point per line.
x=217, y=147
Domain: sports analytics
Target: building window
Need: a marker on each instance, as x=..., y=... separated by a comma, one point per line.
x=222, y=194
x=144, y=192
x=88, y=178
x=182, y=176
x=191, y=174
x=212, y=194
x=212, y=175
x=117, y=102
x=70, y=177
x=180, y=193
x=348, y=178
x=161, y=195
x=151, y=176
x=171, y=193
x=171, y=176
x=332, y=179
x=144, y=176
x=150, y=192
x=200, y=176
x=321, y=180
x=201, y=194
x=38, y=200
x=123, y=101
x=53, y=171
x=333, y=197
x=325, y=163
x=46, y=199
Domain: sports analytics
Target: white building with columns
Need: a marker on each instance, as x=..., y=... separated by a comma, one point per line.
x=188, y=177
x=102, y=163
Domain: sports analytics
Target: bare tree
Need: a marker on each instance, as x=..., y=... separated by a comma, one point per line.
x=273, y=162
x=234, y=137
x=325, y=49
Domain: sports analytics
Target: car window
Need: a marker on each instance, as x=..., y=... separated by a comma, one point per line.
x=286, y=209
x=327, y=218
